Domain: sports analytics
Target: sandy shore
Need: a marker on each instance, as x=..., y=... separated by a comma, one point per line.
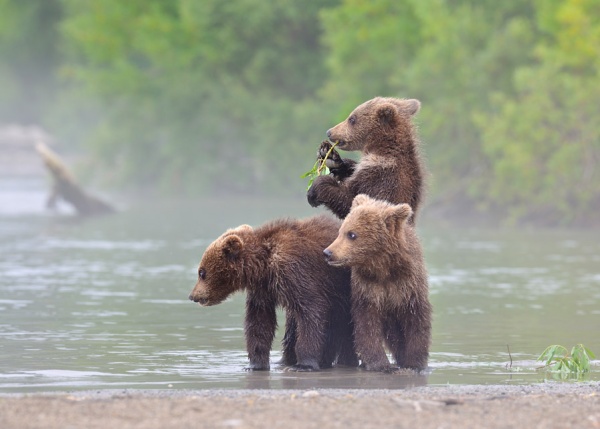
x=547, y=405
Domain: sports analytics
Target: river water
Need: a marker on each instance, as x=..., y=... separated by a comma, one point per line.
x=102, y=303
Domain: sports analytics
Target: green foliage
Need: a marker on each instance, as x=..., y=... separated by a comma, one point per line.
x=542, y=138
x=366, y=50
x=212, y=95
x=28, y=58
x=450, y=55
x=557, y=360
x=199, y=94
x=318, y=168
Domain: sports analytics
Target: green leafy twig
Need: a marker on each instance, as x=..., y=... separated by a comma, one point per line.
x=557, y=360
x=318, y=168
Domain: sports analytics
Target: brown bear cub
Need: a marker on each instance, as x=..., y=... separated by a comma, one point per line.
x=281, y=264
x=390, y=168
x=390, y=299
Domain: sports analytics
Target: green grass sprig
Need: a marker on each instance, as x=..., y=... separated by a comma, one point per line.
x=318, y=168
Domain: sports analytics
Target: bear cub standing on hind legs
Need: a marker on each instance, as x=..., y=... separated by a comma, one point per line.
x=390, y=168
x=281, y=264
x=390, y=299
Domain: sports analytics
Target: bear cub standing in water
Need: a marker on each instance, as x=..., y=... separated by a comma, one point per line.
x=390, y=168
x=281, y=264
x=390, y=298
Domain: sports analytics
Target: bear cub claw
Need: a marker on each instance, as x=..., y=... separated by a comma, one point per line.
x=385, y=368
x=257, y=367
x=334, y=160
x=410, y=371
x=339, y=167
x=302, y=368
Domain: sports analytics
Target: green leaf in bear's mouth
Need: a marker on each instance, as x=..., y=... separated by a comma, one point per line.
x=318, y=168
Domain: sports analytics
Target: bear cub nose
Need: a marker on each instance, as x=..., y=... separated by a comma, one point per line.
x=328, y=254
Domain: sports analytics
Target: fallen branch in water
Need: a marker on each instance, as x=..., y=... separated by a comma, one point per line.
x=66, y=188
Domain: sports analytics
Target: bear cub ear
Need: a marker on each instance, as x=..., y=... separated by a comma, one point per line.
x=244, y=228
x=412, y=106
x=396, y=216
x=232, y=246
x=239, y=229
x=386, y=113
x=360, y=199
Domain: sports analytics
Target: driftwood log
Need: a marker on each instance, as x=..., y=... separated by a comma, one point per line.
x=66, y=188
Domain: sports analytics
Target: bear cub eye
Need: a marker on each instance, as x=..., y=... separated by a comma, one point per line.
x=352, y=120
x=202, y=273
x=351, y=235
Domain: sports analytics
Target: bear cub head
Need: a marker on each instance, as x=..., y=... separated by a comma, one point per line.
x=372, y=230
x=372, y=121
x=220, y=272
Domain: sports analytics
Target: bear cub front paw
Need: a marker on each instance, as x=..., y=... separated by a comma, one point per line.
x=334, y=160
x=339, y=167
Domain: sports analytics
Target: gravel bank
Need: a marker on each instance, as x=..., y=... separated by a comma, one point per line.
x=547, y=405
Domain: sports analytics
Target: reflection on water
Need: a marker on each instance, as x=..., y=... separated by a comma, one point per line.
x=103, y=303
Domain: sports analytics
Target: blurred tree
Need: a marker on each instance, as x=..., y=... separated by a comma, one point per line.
x=370, y=44
x=200, y=93
x=212, y=95
x=449, y=54
x=543, y=140
x=29, y=57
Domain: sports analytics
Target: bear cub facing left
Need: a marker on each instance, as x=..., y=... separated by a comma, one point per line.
x=281, y=264
x=390, y=294
x=390, y=169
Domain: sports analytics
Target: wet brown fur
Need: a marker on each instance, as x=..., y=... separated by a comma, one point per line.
x=391, y=167
x=281, y=264
x=390, y=302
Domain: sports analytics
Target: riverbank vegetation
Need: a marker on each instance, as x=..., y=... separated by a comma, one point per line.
x=208, y=96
